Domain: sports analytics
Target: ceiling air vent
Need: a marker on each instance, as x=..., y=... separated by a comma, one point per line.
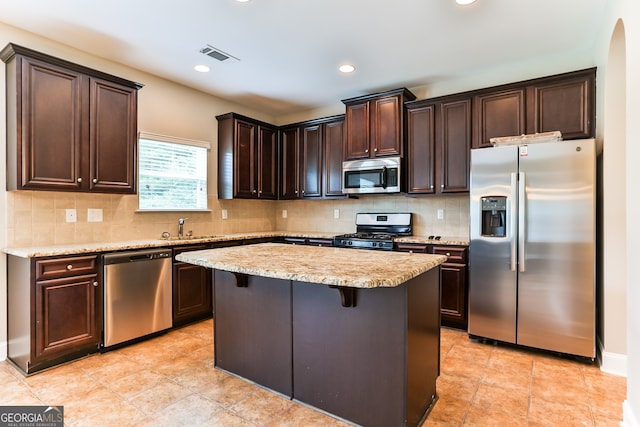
x=216, y=53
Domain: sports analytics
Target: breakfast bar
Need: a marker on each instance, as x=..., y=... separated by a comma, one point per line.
x=354, y=333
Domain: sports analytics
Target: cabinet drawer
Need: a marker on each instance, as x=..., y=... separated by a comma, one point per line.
x=412, y=247
x=455, y=254
x=65, y=267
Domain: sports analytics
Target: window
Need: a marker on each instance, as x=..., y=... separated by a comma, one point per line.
x=172, y=173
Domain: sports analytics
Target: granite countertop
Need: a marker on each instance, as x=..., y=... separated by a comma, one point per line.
x=81, y=248
x=356, y=268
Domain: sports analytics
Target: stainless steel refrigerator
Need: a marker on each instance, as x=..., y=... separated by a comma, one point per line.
x=532, y=249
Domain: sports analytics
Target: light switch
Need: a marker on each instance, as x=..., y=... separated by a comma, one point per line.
x=284, y=213
x=336, y=213
x=440, y=213
x=70, y=215
x=225, y=214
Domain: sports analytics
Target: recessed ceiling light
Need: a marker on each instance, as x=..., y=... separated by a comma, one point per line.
x=202, y=68
x=347, y=68
x=243, y=1
x=464, y=2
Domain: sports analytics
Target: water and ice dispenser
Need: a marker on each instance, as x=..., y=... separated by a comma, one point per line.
x=494, y=216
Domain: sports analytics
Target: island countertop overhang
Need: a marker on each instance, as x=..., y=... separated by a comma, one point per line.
x=356, y=268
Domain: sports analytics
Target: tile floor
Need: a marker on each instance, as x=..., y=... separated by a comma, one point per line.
x=171, y=381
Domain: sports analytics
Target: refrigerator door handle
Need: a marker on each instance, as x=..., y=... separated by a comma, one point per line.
x=521, y=219
x=513, y=220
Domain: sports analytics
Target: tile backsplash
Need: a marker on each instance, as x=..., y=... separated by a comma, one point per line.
x=38, y=218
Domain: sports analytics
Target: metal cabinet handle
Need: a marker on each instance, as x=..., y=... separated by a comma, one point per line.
x=375, y=149
x=95, y=180
x=79, y=179
x=69, y=267
x=448, y=253
x=366, y=150
x=442, y=186
x=95, y=284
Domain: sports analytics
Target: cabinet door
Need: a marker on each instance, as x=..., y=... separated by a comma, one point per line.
x=113, y=127
x=67, y=316
x=50, y=127
x=453, y=295
x=358, y=128
x=267, y=163
x=334, y=153
x=245, y=159
x=311, y=161
x=498, y=114
x=386, y=133
x=455, y=145
x=192, y=298
x=566, y=106
x=421, y=150
x=289, y=164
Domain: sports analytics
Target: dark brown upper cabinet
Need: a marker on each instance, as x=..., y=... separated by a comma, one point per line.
x=247, y=158
x=498, y=114
x=563, y=102
x=311, y=159
x=375, y=124
x=438, y=143
x=69, y=128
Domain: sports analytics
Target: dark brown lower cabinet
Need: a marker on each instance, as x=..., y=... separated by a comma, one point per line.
x=54, y=310
x=374, y=362
x=192, y=293
x=454, y=297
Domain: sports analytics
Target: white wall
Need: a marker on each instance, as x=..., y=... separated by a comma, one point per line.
x=622, y=31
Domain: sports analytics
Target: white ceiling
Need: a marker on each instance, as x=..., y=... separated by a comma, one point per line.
x=290, y=50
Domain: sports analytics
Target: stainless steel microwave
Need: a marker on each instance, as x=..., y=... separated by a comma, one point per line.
x=371, y=176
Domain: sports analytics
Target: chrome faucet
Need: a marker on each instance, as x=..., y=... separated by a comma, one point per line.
x=180, y=226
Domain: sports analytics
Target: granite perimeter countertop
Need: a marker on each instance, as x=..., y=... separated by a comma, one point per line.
x=82, y=248
x=356, y=268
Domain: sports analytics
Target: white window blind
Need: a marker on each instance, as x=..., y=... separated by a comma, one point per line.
x=172, y=173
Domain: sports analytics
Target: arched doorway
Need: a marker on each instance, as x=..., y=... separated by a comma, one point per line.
x=613, y=289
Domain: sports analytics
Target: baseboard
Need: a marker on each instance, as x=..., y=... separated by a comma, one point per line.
x=629, y=419
x=3, y=351
x=612, y=363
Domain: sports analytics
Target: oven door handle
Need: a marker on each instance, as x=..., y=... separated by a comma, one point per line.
x=384, y=177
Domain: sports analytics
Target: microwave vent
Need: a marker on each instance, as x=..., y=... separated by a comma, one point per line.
x=216, y=53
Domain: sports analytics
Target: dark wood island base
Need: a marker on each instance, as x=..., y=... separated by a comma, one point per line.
x=368, y=355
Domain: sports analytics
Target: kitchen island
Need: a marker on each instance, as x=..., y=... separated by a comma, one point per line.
x=355, y=333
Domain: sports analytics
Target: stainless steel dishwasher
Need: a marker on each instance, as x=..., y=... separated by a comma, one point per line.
x=137, y=294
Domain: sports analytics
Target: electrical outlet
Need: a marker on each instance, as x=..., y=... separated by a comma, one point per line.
x=336, y=213
x=70, y=215
x=225, y=214
x=94, y=215
x=440, y=213
x=284, y=213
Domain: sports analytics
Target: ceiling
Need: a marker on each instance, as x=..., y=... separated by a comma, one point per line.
x=289, y=51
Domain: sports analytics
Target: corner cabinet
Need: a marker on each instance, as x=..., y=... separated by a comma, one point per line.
x=438, y=144
x=247, y=158
x=375, y=124
x=54, y=310
x=69, y=128
x=311, y=159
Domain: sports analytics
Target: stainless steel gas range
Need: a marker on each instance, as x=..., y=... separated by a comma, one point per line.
x=376, y=231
